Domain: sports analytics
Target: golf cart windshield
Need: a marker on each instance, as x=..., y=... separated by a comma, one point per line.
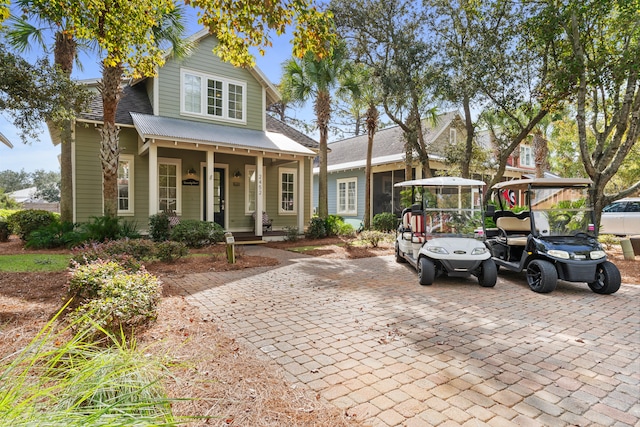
x=450, y=206
x=561, y=211
x=554, y=210
x=452, y=210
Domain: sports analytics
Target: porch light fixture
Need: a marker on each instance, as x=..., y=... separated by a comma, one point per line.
x=191, y=172
x=237, y=174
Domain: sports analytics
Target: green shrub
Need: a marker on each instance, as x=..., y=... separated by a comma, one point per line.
x=373, y=237
x=292, y=234
x=333, y=224
x=170, y=251
x=129, y=230
x=385, y=221
x=6, y=213
x=196, y=234
x=317, y=228
x=4, y=231
x=56, y=235
x=102, y=228
x=127, y=252
x=609, y=240
x=159, y=227
x=111, y=298
x=87, y=279
x=346, y=230
x=24, y=222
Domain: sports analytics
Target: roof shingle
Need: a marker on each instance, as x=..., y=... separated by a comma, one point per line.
x=386, y=143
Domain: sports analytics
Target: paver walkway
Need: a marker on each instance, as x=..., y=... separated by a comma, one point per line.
x=367, y=337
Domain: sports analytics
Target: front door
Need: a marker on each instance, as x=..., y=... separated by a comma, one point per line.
x=218, y=196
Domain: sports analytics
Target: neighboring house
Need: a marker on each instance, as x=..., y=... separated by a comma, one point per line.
x=24, y=195
x=195, y=140
x=522, y=158
x=27, y=198
x=347, y=160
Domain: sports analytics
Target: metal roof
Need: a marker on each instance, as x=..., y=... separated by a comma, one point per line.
x=157, y=127
x=5, y=140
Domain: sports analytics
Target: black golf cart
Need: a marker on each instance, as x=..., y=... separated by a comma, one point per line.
x=553, y=238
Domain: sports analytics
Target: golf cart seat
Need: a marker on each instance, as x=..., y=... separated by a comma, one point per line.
x=514, y=231
x=417, y=228
x=405, y=226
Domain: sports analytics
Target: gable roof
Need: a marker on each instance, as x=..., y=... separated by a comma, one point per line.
x=388, y=145
x=276, y=125
x=273, y=95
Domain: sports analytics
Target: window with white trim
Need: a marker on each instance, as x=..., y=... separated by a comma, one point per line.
x=212, y=96
x=125, y=184
x=453, y=136
x=169, y=185
x=288, y=190
x=526, y=156
x=347, y=196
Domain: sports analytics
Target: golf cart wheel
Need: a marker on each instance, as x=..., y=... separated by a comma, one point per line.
x=488, y=274
x=542, y=276
x=607, y=279
x=399, y=259
x=426, y=271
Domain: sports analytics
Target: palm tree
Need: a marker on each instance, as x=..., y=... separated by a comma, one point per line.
x=313, y=77
x=21, y=34
x=168, y=31
x=359, y=89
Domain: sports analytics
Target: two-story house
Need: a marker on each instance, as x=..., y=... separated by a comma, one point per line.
x=195, y=140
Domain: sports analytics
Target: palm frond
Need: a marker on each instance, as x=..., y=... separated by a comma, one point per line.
x=171, y=31
x=20, y=34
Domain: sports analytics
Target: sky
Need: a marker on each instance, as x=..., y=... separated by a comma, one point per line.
x=43, y=154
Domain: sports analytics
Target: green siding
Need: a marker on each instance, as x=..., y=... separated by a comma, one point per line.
x=88, y=177
x=129, y=145
x=204, y=61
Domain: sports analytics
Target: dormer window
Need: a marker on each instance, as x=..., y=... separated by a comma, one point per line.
x=211, y=96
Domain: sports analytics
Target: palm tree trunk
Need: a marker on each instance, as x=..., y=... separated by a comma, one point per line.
x=323, y=114
x=64, y=53
x=540, y=152
x=372, y=125
x=111, y=92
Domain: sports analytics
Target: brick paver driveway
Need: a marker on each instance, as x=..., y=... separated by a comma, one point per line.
x=367, y=337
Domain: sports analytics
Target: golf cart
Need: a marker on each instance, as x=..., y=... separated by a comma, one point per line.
x=554, y=238
x=443, y=232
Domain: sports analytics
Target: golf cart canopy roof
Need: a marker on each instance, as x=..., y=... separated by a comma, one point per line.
x=441, y=181
x=523, y=184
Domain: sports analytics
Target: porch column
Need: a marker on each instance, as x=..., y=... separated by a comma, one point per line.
x=209, y=178
x=259, y=199
x=153, y=178
x=301, y=182
x=418, y=172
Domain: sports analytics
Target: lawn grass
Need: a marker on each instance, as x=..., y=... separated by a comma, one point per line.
x=23, y=263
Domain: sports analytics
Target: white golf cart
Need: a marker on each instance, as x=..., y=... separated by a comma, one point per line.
x=442, y=233
x=554, y=238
